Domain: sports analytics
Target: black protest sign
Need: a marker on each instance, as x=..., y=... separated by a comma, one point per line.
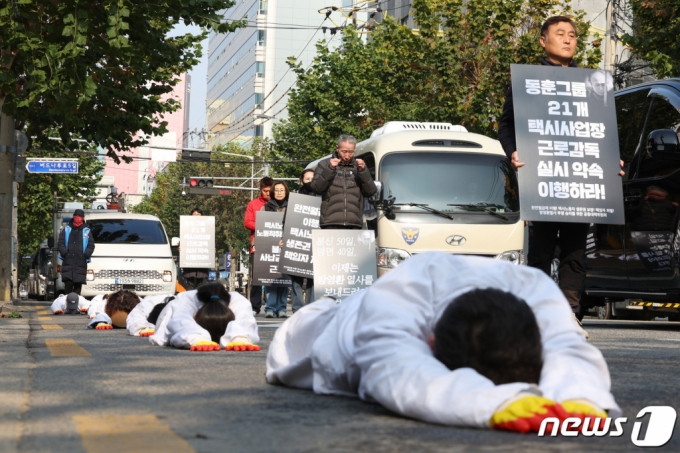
x=302, y=216
x=565, y=127
x=654, y=249
x=344, y=262
x=268, y=232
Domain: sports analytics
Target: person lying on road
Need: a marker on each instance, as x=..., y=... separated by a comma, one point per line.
x=115, y=310
x=71, y=303
x=207, y=319
x=141, y=322
x=448, y=339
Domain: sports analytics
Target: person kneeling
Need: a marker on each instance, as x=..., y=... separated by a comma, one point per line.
x=452, y=340
x=71, y=303
x=141, y=322
x=207, y=319
x=113, y=311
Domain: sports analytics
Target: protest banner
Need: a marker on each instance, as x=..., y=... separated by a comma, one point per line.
x=566, y=133
x=302, y=216
x=197, y=242
x=653, y=248
x=268, y=233
x=344, y=262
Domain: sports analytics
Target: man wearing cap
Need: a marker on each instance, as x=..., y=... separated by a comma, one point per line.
x=76, y=245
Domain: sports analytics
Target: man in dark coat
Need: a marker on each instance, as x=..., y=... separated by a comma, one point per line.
x=76, y=245
x=343, y=182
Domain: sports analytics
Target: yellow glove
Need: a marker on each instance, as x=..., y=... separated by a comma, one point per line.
x=593, y=417
x=146, y=332
x=525, y=412
x=205, y=346
x=241, y=346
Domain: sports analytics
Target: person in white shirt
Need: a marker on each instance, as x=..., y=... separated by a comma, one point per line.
x=453, y=340
x=141, y=322
x=71, y=303
x=207, y=319
x=113, y=311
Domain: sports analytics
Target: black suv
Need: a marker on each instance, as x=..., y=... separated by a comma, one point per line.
x=638, y=264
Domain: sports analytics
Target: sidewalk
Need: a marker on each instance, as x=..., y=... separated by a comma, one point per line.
x=16, y=364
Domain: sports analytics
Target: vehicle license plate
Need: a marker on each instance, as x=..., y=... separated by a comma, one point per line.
x=122, y=281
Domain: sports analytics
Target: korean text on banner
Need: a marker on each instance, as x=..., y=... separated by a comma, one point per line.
x=197, y=242
x=566, y=133
x=268, y=233
x=302, y=216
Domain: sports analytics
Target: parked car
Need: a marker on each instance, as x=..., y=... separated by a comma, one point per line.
x=634, y=269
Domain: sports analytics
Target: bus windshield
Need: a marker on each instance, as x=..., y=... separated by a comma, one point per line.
x=453, y=181
x=127, y=231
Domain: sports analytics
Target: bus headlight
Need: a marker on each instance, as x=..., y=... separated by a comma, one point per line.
x=167, y=276
x=390, y=258
x=90, y=275
x=512, y=256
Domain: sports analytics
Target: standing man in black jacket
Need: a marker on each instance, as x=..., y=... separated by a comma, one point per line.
x=76, y=245
x=558, y=39
x=343, y=182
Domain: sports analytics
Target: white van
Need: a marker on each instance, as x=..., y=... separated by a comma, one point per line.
x=132, y=252
x=442, y=189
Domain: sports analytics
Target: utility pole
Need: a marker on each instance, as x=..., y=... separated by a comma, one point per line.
x=7, y=210
x=610, y=39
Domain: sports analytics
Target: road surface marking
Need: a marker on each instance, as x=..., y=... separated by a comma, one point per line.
x=43, y=312
x=51, y=327
x=65, y=347
x=128, y=433
x=44, y=318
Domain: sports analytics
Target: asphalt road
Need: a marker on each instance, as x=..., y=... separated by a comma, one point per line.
x=112, y=392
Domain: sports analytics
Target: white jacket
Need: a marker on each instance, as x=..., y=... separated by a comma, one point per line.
x=60, y=303
x=97, y=306
x=176, y=325
x=137, y=319
x=373, y=344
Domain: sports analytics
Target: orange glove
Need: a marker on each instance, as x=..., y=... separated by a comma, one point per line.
x=204, y=346
x=103, y=326
x=525, y=412
x=59, y=312
x=592, y=416
x=83, y=311
x=240, y=346
x=146, y=333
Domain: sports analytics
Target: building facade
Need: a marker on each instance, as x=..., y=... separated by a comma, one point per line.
x=248, y=76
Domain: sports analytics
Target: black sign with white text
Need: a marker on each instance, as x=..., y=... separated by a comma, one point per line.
x=268, y=233
x=565, y=126
x=302, y=216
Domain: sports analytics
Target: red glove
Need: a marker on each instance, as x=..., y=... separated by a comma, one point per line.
x=83, y=311
x=240, y=346
x=525, y=412
x=146, y=333
x=205, y=346
x=59, y=312
x=103, y=326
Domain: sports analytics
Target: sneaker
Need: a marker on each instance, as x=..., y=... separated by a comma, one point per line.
x=269, y=314
x=283, y=314
x=585, y=334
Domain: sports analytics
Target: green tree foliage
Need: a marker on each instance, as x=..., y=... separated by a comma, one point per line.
x=36, y=195
x=655, y=35
x=98, y=69
x=167, y=203
x=454, y=68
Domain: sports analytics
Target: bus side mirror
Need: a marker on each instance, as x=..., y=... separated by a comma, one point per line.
x=50, y=242
x=174, y=242
x=377, y=196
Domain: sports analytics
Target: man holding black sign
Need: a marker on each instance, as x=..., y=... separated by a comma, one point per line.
x=558, y=39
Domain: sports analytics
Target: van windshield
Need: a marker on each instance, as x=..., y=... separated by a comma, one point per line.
x=467, y=180
x=127, y=231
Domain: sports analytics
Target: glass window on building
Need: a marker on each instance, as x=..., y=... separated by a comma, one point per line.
x=259, y=97
x=260, y=69
x=258, y=131
x=261, y=37
x=263, y=6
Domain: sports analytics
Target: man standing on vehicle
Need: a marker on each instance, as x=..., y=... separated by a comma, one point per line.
x=343, y=182
x=76, y=245
x=558, y=39
x=255, y=205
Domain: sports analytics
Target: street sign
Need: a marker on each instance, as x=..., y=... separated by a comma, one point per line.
x=208, y=191
x=67, y=166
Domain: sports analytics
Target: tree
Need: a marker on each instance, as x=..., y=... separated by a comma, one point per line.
x=455, y=68
x=655, y=35
x=36, y=196
x=97, y=70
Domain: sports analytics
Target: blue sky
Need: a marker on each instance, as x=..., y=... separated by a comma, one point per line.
x=198, y=81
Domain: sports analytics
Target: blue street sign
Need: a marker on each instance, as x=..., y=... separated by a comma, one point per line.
x=227, y=261
x=63, y=166
x=212, y=275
